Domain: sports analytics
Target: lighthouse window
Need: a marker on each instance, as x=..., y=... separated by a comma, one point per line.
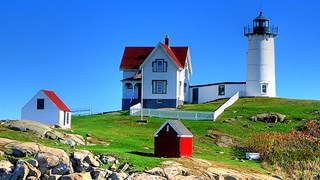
x=263, y=89
x=221, y=90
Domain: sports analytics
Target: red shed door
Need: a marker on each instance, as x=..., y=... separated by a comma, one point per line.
x=167, y=144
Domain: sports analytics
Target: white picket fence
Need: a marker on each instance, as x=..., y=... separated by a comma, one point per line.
x=81, y=111
x=176, y=114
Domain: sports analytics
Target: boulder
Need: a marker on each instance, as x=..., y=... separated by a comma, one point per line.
x=123, y=168
x=21, y=170
x=107, y=159
x=51, y=135
x=27, y=125
x=33, y=171
x=62, y=168
x=268, y=117
x=5, y=141
x=6, y=167
x=54, y=177
x=76, y=176
x=33, y=162
x=157, y=172
x=118, y=176
x=75, y=138
x=17, y=152
x=142, y=175
x=1, y=153
x=92, y=160
x=98, y=174
x=32, y=178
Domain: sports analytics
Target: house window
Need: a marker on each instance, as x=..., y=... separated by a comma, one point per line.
x=40, y=103
x=185, y=87
x=264, y=88
x=159, y=65
x=221, y=90
x=159, y=87
x=180, y=87
x=168, y=127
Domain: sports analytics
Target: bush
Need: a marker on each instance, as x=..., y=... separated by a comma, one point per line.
x=298, y=149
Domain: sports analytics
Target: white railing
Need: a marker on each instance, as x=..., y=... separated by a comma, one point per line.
x=193, y=115
x=220, y=110
x=176, y=114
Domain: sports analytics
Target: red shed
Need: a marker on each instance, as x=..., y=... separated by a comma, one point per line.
x=173, y=139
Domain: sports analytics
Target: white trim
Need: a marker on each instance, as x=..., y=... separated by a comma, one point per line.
x=174, y=128
x=185, y=136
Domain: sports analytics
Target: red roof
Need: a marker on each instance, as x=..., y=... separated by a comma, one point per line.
x=133, y=57
x=56, y=100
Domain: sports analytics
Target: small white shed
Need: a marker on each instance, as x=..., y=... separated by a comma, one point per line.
x=47, y=108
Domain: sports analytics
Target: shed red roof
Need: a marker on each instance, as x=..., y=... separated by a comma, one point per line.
x=133, y=57
x=56, y=100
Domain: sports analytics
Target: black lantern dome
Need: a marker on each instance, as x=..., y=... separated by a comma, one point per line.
x=261, y=26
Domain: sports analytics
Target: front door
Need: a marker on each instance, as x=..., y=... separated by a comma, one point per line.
x=195, y=95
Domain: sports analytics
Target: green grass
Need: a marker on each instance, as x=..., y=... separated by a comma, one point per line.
x=133, y=142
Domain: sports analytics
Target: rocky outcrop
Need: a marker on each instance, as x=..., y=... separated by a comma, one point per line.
x=221, y=140
x=45, y=131
x=269, y=118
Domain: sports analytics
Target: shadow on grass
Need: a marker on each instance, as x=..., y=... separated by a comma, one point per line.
x=142, y=153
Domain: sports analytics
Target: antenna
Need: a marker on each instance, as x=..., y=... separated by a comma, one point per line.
x=261, y=5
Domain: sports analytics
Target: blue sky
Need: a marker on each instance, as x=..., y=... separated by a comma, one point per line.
x=74, y=47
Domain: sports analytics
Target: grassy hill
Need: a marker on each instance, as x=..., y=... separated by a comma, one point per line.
x=119, y=134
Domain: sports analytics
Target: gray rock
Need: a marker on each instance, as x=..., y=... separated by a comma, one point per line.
x=118, y=176
x=51, y=135
x=107, y=159
x=92, y=161
x=76, y=176
x=33, y=162
x=142, y=175
x=27, y=125
x=157, y=171
x=113, y=167
x=21, y=170
x=123, y=168
x=33, y=171
x=32, y=178
x=1, y=153
x=17, y=152
x=62, y=168
x=98, y=174
x=54, y=177
x=6, y=175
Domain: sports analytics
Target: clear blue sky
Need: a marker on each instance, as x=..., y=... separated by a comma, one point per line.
x=74, y=47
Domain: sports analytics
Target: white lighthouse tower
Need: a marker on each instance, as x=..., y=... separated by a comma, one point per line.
x=260, y=58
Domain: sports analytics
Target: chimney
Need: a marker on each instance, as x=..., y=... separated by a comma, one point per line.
x=167, y=41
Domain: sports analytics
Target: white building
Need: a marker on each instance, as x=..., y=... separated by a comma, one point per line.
x=47, y=108
x=160, y=75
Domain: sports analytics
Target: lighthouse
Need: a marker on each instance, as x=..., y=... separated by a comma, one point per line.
x=260, y=81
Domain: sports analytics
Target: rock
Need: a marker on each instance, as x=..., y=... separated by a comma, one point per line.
x=51, y=135
x=76, y=176
x=33, y=171
x=6, y=167
x=123, y=168
x=27, y=125
x=1, y=153
x=88, y=135
x=81, y=154
x=98, y=174
x=54, y=177
x=19, y=152
x=32, y=178
x=6, y=175
x=33, y=162
x=5, y=141
x=118, y=176
x=269, y=117
x=92, y=161
x=107, y=159
x=142, y=175
x=157, y=172
x=224, y=141
x=77, y=139
x=62, y=168
x=69, y=142
x=21, y=170
x=113, y=167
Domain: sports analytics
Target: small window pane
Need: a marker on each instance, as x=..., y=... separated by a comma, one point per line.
x=40, y=103
x=221, y=90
